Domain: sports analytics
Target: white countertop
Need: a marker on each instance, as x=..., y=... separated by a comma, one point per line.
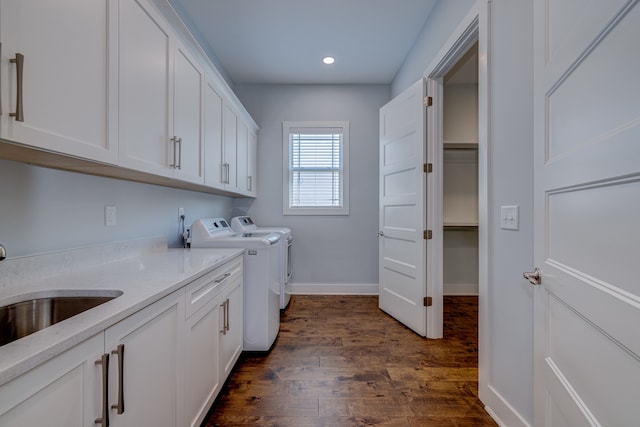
x=144, y=274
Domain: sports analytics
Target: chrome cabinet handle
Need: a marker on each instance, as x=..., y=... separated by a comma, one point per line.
x=104, y=361
x=250, y=183
x=179, y=142
x=175, y=161
x=222, y=278
x=534, y=277
x=225, y=317
x=226, y=173
x=120, y=353
x=19, y=61
x=226, y=320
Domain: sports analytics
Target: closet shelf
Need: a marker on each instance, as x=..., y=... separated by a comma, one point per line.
x=460, y=225
x=459, y=145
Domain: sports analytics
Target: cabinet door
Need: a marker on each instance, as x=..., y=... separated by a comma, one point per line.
x=65, y=391
x=149, y=364
x=214, y=169
x=231, y=337
x=187, y=155
x=144, y=90
x=230, y=133
x=242, y=153
x=67, y=83
x=200, y=375
x=252, y=167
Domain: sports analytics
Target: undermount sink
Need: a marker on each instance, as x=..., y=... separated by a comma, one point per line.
x=38, y=311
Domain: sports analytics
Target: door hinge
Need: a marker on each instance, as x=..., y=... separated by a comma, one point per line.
x=427, y=101
x=428, y=167
x=427, y=234
x=428, y=301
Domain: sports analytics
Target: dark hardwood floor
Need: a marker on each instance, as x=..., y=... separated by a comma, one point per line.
x=340, y=361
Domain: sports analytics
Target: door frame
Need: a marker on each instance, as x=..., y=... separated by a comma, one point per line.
x=474, y=27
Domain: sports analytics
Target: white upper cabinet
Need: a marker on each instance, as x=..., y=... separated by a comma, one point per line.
x=145, y=90
x=221, y=142
x=215, y=170
x=230, y=146
x=242, y=151
x=160, y=98
x=56, y=59
x=246, y=159
x=187, y=118
x=252, y=160
x=122, y=83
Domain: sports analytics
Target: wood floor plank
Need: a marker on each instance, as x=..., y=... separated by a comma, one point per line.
x=340, y=361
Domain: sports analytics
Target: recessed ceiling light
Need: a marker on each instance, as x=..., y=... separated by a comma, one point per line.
x=328, y=60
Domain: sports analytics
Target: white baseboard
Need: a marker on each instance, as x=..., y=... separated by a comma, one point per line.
x=500, y=410
x=333, y=289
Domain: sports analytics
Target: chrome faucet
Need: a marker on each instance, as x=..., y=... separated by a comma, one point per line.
x=3, y=253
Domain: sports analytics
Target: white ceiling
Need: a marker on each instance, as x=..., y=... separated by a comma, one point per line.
x=284, y=41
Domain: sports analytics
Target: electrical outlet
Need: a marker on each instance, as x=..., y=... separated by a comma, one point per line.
x=180, y=213
x=109, y=215
x=509, y=217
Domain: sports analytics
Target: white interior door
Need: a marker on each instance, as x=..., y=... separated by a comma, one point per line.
x=402, y=246
x=587, y=206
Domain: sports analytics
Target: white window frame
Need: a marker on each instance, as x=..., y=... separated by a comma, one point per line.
x=313, y=210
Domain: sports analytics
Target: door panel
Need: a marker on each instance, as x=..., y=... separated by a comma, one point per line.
x=402, y=248
x=587, y=198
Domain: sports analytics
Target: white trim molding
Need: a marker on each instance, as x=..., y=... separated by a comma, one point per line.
x=333, y=288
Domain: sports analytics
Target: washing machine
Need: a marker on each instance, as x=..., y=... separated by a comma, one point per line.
x=244, y=224
x=261, y=276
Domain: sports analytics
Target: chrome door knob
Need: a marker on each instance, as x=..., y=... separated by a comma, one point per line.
x=3, y=253
x=381, y=233
x=534, y=277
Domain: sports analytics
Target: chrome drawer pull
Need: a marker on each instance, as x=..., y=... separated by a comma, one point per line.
x=222, y=278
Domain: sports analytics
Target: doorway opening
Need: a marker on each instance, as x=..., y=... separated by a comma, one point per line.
x=459, y=146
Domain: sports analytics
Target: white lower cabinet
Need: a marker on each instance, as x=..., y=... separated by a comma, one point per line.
x=200, y=374
x=231, y=336
x=211, y=345
x=66, y=391
x=164, y=365
x=143, y=380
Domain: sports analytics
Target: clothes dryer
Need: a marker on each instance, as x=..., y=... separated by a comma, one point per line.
x=244, y=224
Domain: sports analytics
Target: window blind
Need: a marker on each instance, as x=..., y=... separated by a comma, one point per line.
x=316, y=167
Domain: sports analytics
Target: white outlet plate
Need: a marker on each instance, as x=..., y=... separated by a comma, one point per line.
x=509, y=217
x=109, y=215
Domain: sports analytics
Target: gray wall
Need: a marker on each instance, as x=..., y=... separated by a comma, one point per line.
x=509, y=390
x=44, y=210
x=328, y=249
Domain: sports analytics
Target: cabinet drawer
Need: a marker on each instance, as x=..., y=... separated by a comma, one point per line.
x=204, y=289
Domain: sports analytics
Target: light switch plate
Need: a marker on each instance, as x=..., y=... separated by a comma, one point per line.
x=509, y=217
x=109, y=215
